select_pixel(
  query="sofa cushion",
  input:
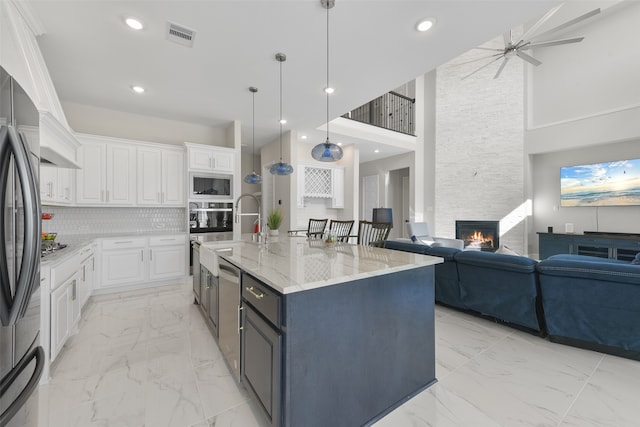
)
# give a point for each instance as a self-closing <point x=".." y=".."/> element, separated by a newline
<point x="518" y="264"/>
<point x="443" y="252"/>
<point x="586" y="267"/>
<point x="406" y="246"/>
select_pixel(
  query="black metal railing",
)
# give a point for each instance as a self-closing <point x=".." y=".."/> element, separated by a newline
<point x="390" y="111"/>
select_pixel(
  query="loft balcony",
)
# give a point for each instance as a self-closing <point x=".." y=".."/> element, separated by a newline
<point x="391" y="111"/>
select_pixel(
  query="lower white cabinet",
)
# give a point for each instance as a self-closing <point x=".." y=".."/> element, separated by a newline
<point x="87" y="273"/>
<point x="167" y="256"/>
<point x="132" y="261"/>
<point x="123" y="261"/>
<point x="65" y="312"/>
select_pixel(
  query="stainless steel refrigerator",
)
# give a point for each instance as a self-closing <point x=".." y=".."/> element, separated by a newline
<point x="21" y="356"/>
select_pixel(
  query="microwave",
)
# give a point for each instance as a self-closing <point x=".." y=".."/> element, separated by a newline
<point x="210" y="186"/>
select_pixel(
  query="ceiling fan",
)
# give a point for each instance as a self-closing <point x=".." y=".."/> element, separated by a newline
<point x="526" y="42"/>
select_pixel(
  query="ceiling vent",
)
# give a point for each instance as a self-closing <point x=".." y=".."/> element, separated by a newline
<point x="179" y="34"/>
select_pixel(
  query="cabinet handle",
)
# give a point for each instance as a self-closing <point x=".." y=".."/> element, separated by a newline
<point x="73" y="290"/>
<point x="141" y="254"/>
<point x="123" y="241"/>
<point x="240" y="308"/>
<point x="84" y="273"/>
<point x="251" y="290"/>
<point x="150" y="254"/>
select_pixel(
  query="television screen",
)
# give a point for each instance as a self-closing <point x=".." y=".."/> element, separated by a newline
<point x="601" y="184"/>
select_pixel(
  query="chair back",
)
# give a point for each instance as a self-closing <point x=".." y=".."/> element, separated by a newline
<point x="373" y="233"/>
<point x="316" y="228"/>
<point x="341" y="229"/>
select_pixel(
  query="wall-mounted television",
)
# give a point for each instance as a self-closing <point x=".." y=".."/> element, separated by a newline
<point x="601" y="184"/>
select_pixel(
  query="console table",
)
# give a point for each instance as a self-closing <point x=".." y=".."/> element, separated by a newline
<point x="622" y="246"/>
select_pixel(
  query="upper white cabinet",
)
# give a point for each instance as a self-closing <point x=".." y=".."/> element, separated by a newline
<point x="161" y="177"/>
<point x="213" y="159"/>
<point x="319" y="181"/>
<point x="56" y="185"/>
<point x="108" y="174"/>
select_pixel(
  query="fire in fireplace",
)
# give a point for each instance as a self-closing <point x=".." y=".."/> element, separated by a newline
<point x="481" y="235"/>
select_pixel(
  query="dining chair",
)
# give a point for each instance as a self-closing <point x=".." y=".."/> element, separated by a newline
<point x="341" y="229"/>
<point x="373" y="233"/>
<point x="316" y="228"/>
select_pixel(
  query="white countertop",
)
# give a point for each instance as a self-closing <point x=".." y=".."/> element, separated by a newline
<point x="294" y="264"/>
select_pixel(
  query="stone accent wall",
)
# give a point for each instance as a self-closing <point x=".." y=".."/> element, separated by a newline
<point x="479" y="151"/>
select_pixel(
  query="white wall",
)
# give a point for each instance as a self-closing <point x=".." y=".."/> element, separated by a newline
<point x="119" y="124"/>
<point x="584" y="107"/>
<point x="547" y="211"/>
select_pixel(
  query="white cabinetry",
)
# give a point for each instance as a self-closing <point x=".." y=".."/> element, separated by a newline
<point x="108" y="174"/>
<point x="131" y="261"/>
<point x="337" y="183"/>
<point x="65" y="312"/>
<point x="87" y="273"/>
<point x="213" y="159"/>
<point x="161" y="177"/>
<point x="323" y="182"/>
<point x="56" y="185"/>
<point x="123" y="261"/>
<point x="167" y="256"/>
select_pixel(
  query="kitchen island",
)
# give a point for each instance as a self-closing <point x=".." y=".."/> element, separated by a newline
<point x="333" y="336"/>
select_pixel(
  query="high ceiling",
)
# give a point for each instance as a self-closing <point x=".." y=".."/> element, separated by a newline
<point x="94" y="58"/>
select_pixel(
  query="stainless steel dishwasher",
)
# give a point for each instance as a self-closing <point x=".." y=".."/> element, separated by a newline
<point x="229" y="314"/>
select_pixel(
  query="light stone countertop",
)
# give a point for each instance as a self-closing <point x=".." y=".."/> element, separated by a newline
<point x="294" y="264"/>
<point x="75" y="242"/>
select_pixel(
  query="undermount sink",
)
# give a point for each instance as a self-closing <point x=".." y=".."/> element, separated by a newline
<point x="209" y="253"/>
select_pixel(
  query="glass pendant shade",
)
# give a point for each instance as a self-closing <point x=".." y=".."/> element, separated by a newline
<point x="281" y="168"/>
<point x="253" y="178"/>
<point x="327" y="152"/>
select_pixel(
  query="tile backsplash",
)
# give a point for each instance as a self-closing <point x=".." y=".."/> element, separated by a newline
<point x="81" y="220"/>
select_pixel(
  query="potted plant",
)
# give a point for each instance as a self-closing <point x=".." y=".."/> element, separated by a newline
<point x="273" y="221"/>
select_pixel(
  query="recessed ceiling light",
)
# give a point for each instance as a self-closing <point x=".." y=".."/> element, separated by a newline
<point x="376" y="151"/>
<point x="425" y="24"/>
<point x="137" y="89"/>
<point x="134" y="23"/>
<point x="303" y="137"/>
<point x="283" y="121"/>
<point x="329" y="90"/>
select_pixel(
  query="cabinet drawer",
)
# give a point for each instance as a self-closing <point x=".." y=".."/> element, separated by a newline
<point x="265" y="300"/>
<point x="179" y="239"/>
<point x="124" y="243"/>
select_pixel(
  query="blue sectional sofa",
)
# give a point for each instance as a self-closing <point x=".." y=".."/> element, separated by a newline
<point x="577" y="300"/>
<point x="501" y="286"/>
<point x="592" y="303"/>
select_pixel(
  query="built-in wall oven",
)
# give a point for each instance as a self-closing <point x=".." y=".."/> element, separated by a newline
<point x="209" y="221"/>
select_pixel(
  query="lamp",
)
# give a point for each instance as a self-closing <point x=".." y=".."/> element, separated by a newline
<point x="383" y="215"/>
<point x="327" y="151"/>
<point x="281" y="168"/>
<point x="253" y="177"/>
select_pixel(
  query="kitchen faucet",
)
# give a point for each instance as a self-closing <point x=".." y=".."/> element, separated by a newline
<point x="239" y="214"/>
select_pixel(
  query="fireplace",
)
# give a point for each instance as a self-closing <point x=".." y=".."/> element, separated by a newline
<point x="480" y="235"/>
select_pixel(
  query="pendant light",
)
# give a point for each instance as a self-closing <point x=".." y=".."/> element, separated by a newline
<point x="253" y="177"/>
<point x="327" y="151"/>
<point x="281" y="168"/>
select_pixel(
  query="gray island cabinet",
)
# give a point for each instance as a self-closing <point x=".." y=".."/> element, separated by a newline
<point x="334" y="336"/>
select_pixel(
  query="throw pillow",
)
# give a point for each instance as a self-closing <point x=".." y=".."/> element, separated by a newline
<point x="636" y="260"/>
<point x="506" y="250"/>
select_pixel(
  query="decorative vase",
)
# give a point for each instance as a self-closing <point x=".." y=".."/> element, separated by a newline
<point x="274" y="232"/>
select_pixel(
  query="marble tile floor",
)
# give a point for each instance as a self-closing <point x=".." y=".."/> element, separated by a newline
<point x="146" y="358"/>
